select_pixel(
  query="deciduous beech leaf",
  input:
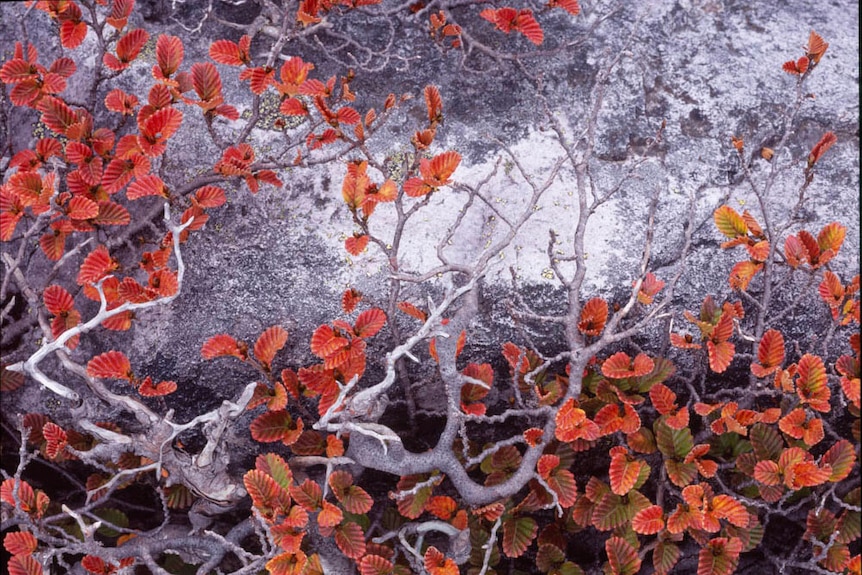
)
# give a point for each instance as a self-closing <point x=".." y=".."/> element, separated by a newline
<point x="729" y="222"/>
<point x="622" y="557"/>
<point x="624" y="470"/>
<point x="268" y="344"/>
<point x="518" y="534"/>
<point x="223" y="345"/>
<point x="56" y="438"/>
<point x="128" y="48"/>
<point x="840" y="457"/>
<point x="438" y="564"/>
<point x="375" y="565"/>
<point x="169" y="56"/>
<point x="742" y="274"/>
<point x="287" y="564"/>
<point x="111" y="364"/>
<point x="308" y="495"/>
<point x="593" y="317"/>
<point x="648" y="521"/>
<point x="369" y="323"/>
<point x="330" y="515"/>
<point x="356" y="244"/>
<point x="650" y="287"/>
<point x="442" y="507"/>
<point x="796" y="425"/>
<point x="620" y="365"/>
<point x="821" y="147"/>
<point x="811" y="385"/>
<point x="57" y="300"/>
<point x="434" y="105"/>
<point x="573" y="424"/>
<point x="664" y="556"/>
<point x="719" y="556"/>
<point x="231" y="53"/>
<point x="349" y="299"/>
<point x="720" y="355"/>
<point x="570" y="6"/>
<point x="412" y="310"/>
<point x="210" y="197"/>
<point x="508" y="19"/>
<point x="147" y="389"/>
<point x="770" y="354"/>
<point x="276" y="426"/>
<point x="20" y="542"/>
<point x="350" y="539"/>
<point x="24" y="565"/>
<point x="437" y="171"/>
<point x="262" y="489"/>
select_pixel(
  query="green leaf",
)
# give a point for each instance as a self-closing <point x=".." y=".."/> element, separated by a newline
<point x="114" y="516"/>
<point x="518" y="533"/>
<point x="766" y="442"/>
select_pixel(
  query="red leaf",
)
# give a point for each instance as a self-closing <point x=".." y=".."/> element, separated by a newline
<point x="350" y="299"/>
<point x="72" y="33"/>
<point x="56" y="438"/>
<point x="434" y="105"/>
<point x="436" y="172"/>
<point x="269" y="343"/>
<point x="811" y="385"/>
<point x="770" y="353"/>
<point x="111" y="364"/>
<point x="840" y="458"/>
<point x="229" y="53"/>
<point x="620" y="366"/>
<point x="350" y="539"/>
<point x="80" y="208"/>
<point x="129" y="46"/>
<point x="24" y="565"/>
<point x="169" y="56"/>
<point x="436" y="563"/>
<point x="325" y="342"/>
<point x="820" y="148"/>
<point x="210" y="197"/>
<point x="206" y="81"/>
<point x="223" y="345"/>
<point x="648" y="521"/>
<point x="276" y="426"/>
<point x="149" y="185"/>
<point x="20" y="542"/>
<point x="355" y="245"/>
<point x="147" y="389"/>
<point x="369" y="323"/>
<point x="623" y="558"/>
<point x="518" y="534"/>
<point x="593" y="317"/>
<point x="57" y="300"/>
<point x="720" y="355"/>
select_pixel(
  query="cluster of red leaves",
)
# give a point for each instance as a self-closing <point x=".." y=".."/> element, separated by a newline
<point x="115" y="365"/>
<point x="440" y="30"/>
<point x="813" y="53"/>
<point x="287" y="506"/>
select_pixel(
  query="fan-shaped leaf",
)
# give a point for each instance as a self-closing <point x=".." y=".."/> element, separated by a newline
<point x="623" y="558"/>
<point x="169" y="55"/>
<point x="269" y="343"/>
<point x="649" y="521"/>
<point x="729" y="222"/>
<point x="222" y="345"/>
<point x="24" y="564"/>
<point x="147" y="389"/>
<point x="518" y="534"/>
<point x="111" y="364"/>
<point x="593" y="317"/>
<point x="369" y="323"/>
<point x="350" y="539"/>
<point x="811" y="385"/>
<point x="840" y="457"/>
<point x="276" y="426"/>
<point x="20" y="542"/>
<point x="620" y="366"/>
<point x="719" y="557"/>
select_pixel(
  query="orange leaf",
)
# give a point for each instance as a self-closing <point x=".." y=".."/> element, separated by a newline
<point x="434" y="104"/>
<point x="356" y="244"/>
<point x="111" y="364"/>
<point x="438" y="564"/>
<point x="223" y="345"/>
<point x="147" y="389"/>
<point x="811" y="385"/>
<point x="593" y="317"/>
<point x="648" y="521"/>
<point x="269" y="343"/>
<point x="20" y="542"/>
<point x="369" y="323"/>
<point x="96" y="265"/>
<point x="720" y="355"/>
<point x="620" y="366"/>
<point x="436" y="172"/>
<point x="770" y="353"/>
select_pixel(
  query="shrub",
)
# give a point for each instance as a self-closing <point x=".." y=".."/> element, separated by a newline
<point x="620" y="432"/>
